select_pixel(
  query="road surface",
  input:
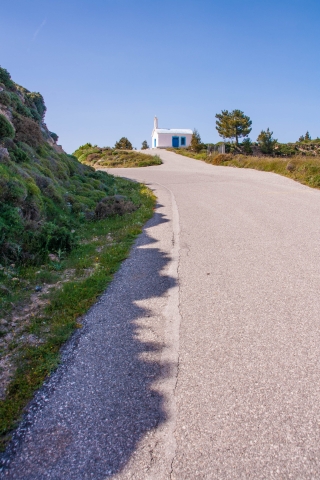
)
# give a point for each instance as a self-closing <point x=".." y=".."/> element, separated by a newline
<point x="201" y="360"/>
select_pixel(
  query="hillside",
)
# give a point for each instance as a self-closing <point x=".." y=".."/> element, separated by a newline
<point x="64" y="230"/>
<point x="114" y="158"/>
<point x="45" y="194"/>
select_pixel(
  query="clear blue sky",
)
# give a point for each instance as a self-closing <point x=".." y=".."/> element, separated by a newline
<point x="106" y="67"/>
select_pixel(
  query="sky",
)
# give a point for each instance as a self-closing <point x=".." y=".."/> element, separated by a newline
<point x="107" y="67"/>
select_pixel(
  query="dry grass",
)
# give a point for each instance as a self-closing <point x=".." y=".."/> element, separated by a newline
<point x="106" y="157"/>
<point x="305" y="170"/>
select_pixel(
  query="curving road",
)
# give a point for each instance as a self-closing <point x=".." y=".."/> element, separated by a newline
<point x="201" y="360"/>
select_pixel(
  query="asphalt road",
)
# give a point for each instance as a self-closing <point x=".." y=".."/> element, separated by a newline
<point x="201" y="360"/>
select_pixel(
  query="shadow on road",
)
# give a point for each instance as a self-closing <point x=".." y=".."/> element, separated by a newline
<point x="87" y="420"/>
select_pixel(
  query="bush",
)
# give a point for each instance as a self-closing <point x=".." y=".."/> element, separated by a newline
<point x="6" y="129"/>
<point x="54" y="136"/>
<point x="123" y="144"/>
<point x="116" y="205"/>
<point x="285" y="150"/>
<point x="36" y="99"/>
<point x="221" y="158"/>
<point x="27" y="130"/>
<point x="18" y="155"/>
<point x="5" y="98"/>
<point x="54" y="238"/>
<point x="5" y="78"/>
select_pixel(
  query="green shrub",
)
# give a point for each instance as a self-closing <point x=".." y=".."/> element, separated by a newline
<point x="54" y="238"/>
<point x="23" y="110"/>
<point x="5" y="98"/>
<point x="5" y="78"/>
<point x="54" y="136"/>
<point x="6" y="129"/>
<point x="284" y="149"/>
<point x="27" y="130"/>
<point x="36" y="99"/>
<point x="18" y="155"/>
<point x="123" y="144"/>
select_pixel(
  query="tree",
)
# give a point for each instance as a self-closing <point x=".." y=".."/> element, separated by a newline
<point x="144" y="145"/>
<point x="301" y="138"/>
<point x="195" y="144"/>
<point x="247" y="146"/>
<point x="123" y="144"/>
<point x="307" y="137"/>
<point x="233" y="124"/>
<point x="266" y="142"/>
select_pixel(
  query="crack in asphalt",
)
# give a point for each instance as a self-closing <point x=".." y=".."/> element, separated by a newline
<point x="171" y="353"/>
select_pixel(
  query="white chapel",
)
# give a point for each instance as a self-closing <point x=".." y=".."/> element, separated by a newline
<point x="170" y="137"/>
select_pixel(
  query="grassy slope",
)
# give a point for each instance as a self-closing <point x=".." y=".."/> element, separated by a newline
<point x="303" y="169"/>
<point x="104" y="245"/>
<point x="111" y="158"/>
<point x="50" y="238"/>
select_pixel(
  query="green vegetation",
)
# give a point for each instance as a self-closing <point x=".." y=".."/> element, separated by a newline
<point x="145" y="145"/>
<point x="195" y="144"/>
<point x="112" y="158"/>
<point x="6" y="129"/>
<point x="266" y="142"/>
<point x="64" y="229"/>
<point x="123" y="144"/>
<point x="233" y="124"/>
<point x="306" y="137"/>
<point x="77" y="280"/>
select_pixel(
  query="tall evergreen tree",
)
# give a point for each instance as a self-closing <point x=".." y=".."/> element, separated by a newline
<point x="144" y="145"/>
<point x="195" y="144"/>
<point x="233" y="124"/>
<point x="307" y="136"/>
<point x="266" y="142"/>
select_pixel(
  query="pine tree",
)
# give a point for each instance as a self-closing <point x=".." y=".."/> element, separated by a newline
<point x="233" y="124"/>
<point x="307" y="137"/>
<point x="266" y="142"/>
<point x="123" y="144"/>
<point x="301" y="138"/>
<point x="195" y="144"/>
<point x="144" y="145"/>
<point x="247" y="146"/>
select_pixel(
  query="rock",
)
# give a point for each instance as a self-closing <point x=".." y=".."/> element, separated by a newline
<point x="53" y="257"/>
<point x="3" y="153"/>
<point x="290" y="167"/>
<point x="38" y="288"/>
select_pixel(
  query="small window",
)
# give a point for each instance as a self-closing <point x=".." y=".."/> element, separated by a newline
<point x="183" y="141"/>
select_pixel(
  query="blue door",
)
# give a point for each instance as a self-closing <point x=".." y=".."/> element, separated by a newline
<point x="155" y="142"/>
<point x="175" y="142"/>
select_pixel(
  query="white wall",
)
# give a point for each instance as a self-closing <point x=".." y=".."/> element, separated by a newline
<point x="164" y="140"/>
<point x="154" y="137"/>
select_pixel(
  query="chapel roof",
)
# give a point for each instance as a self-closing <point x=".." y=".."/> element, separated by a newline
<point x="173" y="130"/>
